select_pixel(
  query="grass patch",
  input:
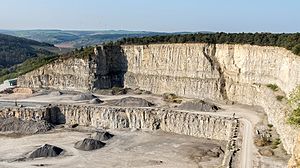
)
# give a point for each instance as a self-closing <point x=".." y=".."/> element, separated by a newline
<point x="273" y="87"/>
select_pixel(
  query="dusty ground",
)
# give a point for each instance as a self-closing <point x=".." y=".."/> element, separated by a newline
<point x="125" y="149"/>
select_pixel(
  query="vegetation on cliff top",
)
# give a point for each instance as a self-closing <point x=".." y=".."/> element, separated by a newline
<point x="289" y="41"/>
<point x="19" y="55"/>
<point x="25" y="67"/>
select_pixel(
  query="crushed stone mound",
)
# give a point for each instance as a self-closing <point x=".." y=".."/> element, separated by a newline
<point x="133" y="102"/>
<point x="46" y="151"/>
<point x="24" y="127"/>
<point x="199" y="105"/>
<point x="95" y="101"/>
<point x="86" y="96"/>
<point x="89" y="144"/>
<point x="56" y="93"/>
<point x="101" y="135"/>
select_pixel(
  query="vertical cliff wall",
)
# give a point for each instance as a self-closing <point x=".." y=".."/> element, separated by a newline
<point x="192" y="124"/>
<point x="184" y="69"/>
<point x="65" y="74"/>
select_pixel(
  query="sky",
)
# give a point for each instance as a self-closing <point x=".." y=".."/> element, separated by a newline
<point x="153" y="15"/>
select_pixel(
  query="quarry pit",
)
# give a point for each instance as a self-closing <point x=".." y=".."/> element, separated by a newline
<point x="234" y="78"/>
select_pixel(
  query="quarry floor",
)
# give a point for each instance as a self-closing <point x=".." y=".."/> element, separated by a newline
<point x="247" y="157"/>
<point x="126" y="149"/>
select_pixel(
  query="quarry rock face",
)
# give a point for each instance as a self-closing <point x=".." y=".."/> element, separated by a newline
<point x="64" y="74"/>
<point x="192" y="124"/>
<point x="215" y="71"/>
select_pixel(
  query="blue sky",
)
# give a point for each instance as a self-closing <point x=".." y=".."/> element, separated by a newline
<point x="153" y="15"/>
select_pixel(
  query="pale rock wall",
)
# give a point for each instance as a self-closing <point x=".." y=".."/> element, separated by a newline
<point x="65" y="74"/>
<point x="192" y="124"/>
<point x="34" y="114"/>
<point x="183" y="69"/>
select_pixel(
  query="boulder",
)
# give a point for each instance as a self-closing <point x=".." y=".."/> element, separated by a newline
<point x="95" y="101"/>
<point x="171" y="98"/>
<point x="46" y="151"/>
<point x="133" y="102"/>
<point x="89" y="144"/>
<point x="23" y="91"/>
<point x="85" y="96"/>
<point x="101" y="136"/>
<point x="56" y="93"/>
<point x="266" y="152"/>
<point x="215" y="152"/>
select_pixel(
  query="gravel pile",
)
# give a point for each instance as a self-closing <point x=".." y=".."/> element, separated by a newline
<point x="199" y="105"/>
<point x="46" y="151"/>
<point x="133" y="102"/>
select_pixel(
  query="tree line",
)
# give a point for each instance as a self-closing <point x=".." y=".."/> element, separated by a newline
<point x="290" y="41"/>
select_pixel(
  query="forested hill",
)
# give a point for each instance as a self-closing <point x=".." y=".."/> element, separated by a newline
<point x="290" y="41"/>
<point x="15" y="50"/>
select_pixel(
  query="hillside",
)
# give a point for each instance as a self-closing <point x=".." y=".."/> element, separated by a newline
<point x="14" y="51"/>
<point x="76" y="39"/>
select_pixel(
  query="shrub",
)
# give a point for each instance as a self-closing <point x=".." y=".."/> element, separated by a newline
<point x="294" y="117"/>
<point x="279" y="98"/>
<point x="276" y="141"/>
<point x="274" y="87"/>
<point x="171" y="97"/>
<point x="294" y="97"/>
<point x="296" y="49"/>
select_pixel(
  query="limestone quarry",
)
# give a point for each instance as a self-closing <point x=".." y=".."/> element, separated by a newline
<point x="233" y="108"/>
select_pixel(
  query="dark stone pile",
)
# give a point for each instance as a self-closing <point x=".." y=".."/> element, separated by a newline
<point x="199" y="105"/>
<point x="46" y="151"/>
<point x="133" y="102"/>
<point x="101" y="136"/>
<point x="16" y="125"/>
<point x="89" y="144"/>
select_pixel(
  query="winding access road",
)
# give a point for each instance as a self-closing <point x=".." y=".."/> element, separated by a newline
<point x="247" y="150"/>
